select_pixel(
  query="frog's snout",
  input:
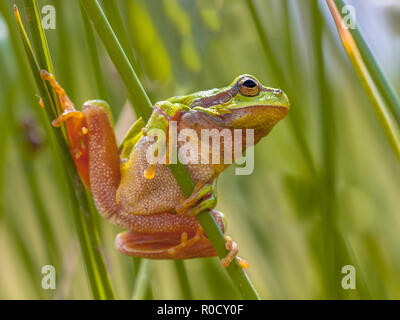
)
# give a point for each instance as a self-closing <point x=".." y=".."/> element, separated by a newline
<point x="282" y="99"/>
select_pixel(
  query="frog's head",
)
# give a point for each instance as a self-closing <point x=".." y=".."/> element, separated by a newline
<point x="245" y="104"/>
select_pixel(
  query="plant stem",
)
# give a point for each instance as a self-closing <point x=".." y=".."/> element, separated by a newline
<point x="371" y="76"/>
<point x="137" y="95"/>
<point x="111" y="10"/>
<point x="278" y="74"/>
<point x="372" y="65"/>
<point x="94" y="58"/>
<point x="142" y="280"/>
<point x="183" y="280"/>
<point x="235" y="271"/>
<point x="99" y="281"/>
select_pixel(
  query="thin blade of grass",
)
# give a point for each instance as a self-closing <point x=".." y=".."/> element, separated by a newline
<point x="183" y="280"/>
<point x="48" y="102"/>
<point x="371" y="76"/>
<point x="88" y="211"/>
<point x="39" y="41"/>
<point x="111" y="10"/>
<point x="280" y="79"/>
<point x="94" y="58"/>
<point x="137" y="95"/>
<point x="101" y="288"/>
<point x="329" y="252"/>
<point x="371" y="64"/>
<point x="142" y="281"/>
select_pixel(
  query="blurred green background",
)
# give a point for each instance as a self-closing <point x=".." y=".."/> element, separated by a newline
<point x="326" y="185"/>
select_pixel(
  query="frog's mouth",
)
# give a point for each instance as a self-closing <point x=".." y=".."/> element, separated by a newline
<point x="261" y="118"/>
<point x="256" y="116"/>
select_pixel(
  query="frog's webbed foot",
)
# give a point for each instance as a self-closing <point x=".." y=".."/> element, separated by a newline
<point x="203" y="198"/>
<point x="67" y="107"/>
<point x="76" y="125"/>
<point x="187" y="243"/>
<point x="174" y="237"/>
<point x="232" y="247"/>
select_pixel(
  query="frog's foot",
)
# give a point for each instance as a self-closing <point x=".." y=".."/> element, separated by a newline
<point x="67" y="107"/>
<point x="165" y="246"/>
<point x="187" y="243"/>
<point x="76" y="125"/>
<point x="203" y="198"/>
<point x="182" y="238"/>
<point x="232" y="247"/>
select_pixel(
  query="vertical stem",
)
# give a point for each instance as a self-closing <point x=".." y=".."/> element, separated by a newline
<point x="383" y="84"/>
<point x="98" y="276"/>
<point x="183" y="280"/>
<point x="136" y="92"/>
<point x="142" y="280"/>
<point x="280" y="79"/>
<point x="94" y="58"/>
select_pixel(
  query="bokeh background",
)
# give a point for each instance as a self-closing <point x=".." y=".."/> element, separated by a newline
<point x="325" y="191"/>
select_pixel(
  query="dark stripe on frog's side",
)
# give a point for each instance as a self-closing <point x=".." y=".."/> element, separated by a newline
<point x="226" y="96"/>
<point x="219" y="98"/>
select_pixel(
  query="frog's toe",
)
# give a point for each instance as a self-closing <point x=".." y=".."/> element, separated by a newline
<point x="232" y="247"/>
<point x="203" y="198"/>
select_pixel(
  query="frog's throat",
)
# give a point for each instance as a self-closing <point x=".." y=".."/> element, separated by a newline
<point x="257" y="117"/>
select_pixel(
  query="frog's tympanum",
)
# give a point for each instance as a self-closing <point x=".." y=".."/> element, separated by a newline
<point x="145" y="198"/>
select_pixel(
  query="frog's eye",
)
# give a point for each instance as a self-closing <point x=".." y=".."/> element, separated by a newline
<point x="248" y="87"/>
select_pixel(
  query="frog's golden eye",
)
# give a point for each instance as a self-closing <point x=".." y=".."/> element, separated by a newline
<point x="248" y="87"/>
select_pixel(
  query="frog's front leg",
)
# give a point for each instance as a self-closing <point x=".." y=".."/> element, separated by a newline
<point x="204" y="197"/>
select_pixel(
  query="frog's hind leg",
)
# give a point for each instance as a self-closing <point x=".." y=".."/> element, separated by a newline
<point x="166" y="236"/>
<point x="104" y="161"/>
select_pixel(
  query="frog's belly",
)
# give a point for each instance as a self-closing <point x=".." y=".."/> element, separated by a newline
<point x="141" y="196"/>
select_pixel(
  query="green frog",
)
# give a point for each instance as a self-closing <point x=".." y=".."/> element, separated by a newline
<point x="144" y="197"/>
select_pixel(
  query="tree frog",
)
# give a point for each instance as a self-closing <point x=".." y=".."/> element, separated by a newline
<point x="144" y="197"/>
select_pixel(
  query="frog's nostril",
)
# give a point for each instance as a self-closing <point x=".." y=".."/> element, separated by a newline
<point x="278" y="91"/>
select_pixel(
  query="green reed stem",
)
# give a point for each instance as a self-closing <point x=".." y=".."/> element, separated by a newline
<point x="99" y="280"/>
<point x="183" y="280"/>
<point x="94" y="57"/>
<point x="378" y="88"/>
<point x="381" y="81"/>
<point x="137" y="95"/>
<point x="142" y="281"/>
<point x="273" y="62"/>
